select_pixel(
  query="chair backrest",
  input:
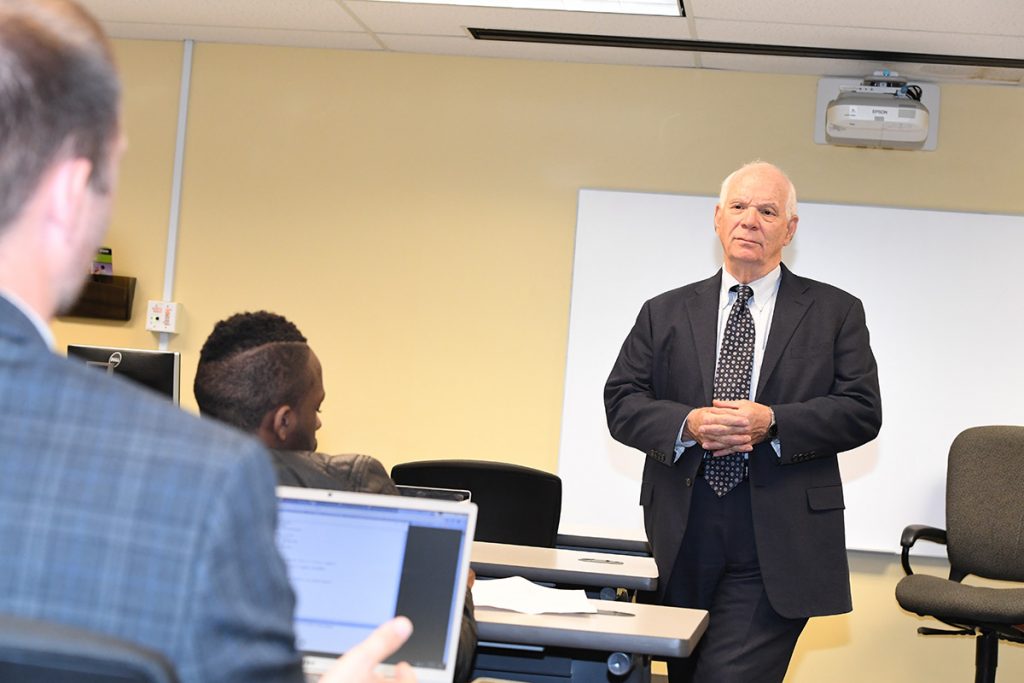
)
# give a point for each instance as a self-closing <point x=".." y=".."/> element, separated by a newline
<point x="516" y="504"/>
<point x="35" y="651"/>
<point x="985" y="502"/>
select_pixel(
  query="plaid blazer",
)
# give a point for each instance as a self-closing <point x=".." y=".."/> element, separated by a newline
<point x="122" y="514"/>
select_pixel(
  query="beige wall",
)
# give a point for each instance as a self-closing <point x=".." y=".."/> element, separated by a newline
<point x="151" y="73"/>
<point x="414" y="215"/>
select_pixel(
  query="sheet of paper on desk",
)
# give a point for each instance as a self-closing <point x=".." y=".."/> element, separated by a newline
<point x="519" y="595"/>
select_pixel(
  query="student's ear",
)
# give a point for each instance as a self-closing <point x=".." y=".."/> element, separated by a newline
<point x="284" y="423"/>
<point x="277" y="426"/>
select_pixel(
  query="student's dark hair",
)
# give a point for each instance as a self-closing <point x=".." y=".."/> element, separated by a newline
<point x="250" y="364"/>
<point x="59" y="96"/>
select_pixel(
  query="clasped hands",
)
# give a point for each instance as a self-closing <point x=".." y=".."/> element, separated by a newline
<point x="729" y="426"/>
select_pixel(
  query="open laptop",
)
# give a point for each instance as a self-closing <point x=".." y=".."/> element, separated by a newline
<point x="357" y="559"/>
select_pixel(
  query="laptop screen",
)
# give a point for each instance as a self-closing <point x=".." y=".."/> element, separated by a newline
<point x="356" y="560"/>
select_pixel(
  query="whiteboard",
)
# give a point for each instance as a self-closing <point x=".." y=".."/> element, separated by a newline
<point x="942" y="294"/>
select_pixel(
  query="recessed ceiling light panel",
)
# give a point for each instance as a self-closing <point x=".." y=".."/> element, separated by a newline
<point x="668" y="8"/>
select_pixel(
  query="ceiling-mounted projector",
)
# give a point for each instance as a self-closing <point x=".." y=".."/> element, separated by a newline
<point x="882" y="111"/>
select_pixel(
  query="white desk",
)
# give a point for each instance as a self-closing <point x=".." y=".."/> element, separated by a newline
<point x="576" y="647"/>
<point x="649" y="630"/>
<point x="566" y="567"/>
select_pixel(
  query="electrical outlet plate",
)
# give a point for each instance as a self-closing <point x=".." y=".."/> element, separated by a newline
<point x="162" y="316"/>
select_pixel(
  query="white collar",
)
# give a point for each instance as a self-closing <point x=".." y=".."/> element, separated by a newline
<point x="764" y="287"/>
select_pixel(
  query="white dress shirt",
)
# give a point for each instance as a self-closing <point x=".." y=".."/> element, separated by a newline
<point x="762" y="308"/>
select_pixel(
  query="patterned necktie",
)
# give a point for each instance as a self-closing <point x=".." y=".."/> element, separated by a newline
<point x="732" y="383"/>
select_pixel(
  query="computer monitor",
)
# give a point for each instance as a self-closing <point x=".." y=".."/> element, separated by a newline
<point x="158" y="370"/>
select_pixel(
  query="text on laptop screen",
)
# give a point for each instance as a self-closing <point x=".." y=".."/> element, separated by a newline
<point x="354" y="567"/>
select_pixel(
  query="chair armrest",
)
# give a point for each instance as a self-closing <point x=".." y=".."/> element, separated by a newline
<point x="914" y="533"/>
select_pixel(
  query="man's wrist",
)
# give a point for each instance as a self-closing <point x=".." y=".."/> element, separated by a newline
<point x="685" y="434"/>
<point x="773" y="428"/>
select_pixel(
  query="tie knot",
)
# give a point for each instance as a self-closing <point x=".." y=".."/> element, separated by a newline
<point x="743" y="292"/>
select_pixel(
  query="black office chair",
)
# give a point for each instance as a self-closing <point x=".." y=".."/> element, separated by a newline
<point x="35" y="651"/>
<point x="516" y="504"/>
<point x="984" y="536"/>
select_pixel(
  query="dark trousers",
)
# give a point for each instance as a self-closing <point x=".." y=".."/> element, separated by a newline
<point x="717" y="570"/>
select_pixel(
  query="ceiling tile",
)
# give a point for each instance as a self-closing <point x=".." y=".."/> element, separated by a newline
<point x="556" y="53"/>
<point x="960" y="74"/>
<point x="317" y="15"/>
<point x="927" y="73"/>
<point x="861" y="38"/>
<point x="436" y="20"/>
<point x="786" y="65"/>
<point x="321" y="39"/>
<point x="990" y="17"/>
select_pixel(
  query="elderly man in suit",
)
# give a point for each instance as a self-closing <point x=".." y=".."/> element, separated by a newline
<point x="118" y="513"/>
<point x="741" y="390"/>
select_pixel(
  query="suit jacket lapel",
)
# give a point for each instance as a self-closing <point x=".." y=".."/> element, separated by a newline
<point x="791" y="305"/>
<point x="703" y="314"/>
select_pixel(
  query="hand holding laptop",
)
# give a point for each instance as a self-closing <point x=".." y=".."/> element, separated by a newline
<point x="358" y="665"/>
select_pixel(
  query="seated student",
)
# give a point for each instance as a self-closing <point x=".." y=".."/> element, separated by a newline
<point x="257" y="373"/>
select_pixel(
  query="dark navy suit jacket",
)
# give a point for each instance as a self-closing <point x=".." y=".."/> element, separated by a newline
<point x="122" y="514"/>
<point x="818" y="375"/>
